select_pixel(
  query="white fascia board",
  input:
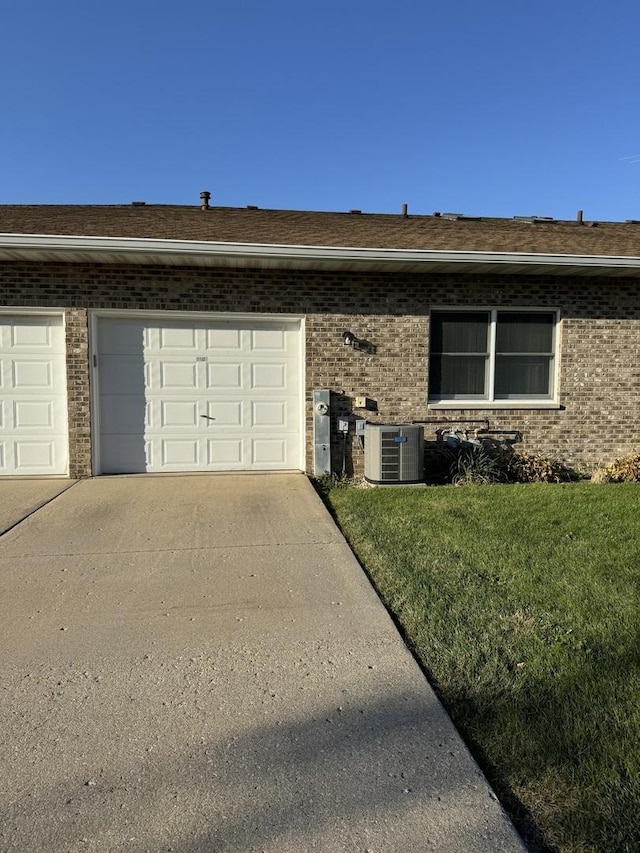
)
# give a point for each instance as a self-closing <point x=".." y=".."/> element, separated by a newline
<point x="46" y="243"/>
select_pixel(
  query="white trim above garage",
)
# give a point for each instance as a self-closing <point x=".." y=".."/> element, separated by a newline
<point x="178" y="392"/>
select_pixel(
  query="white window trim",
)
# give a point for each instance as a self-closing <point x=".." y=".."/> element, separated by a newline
<point x="457" y="403"/>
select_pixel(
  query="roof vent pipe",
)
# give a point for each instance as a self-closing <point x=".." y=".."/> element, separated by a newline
<point x="204" y="200"/>
<point x="579" y="217"/>
<point x="405" y="210"/>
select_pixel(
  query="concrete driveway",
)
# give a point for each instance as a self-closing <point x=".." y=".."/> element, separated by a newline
<point x="19" y="498"/>
<point x="199" y="664"/>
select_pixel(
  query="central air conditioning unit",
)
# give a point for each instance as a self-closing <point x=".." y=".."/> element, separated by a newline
<point x="394" y="454"/>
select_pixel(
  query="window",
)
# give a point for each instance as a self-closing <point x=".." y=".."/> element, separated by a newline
<point x="492" y="355"/>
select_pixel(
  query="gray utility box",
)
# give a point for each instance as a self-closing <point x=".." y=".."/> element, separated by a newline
<point x="394" y="454"/>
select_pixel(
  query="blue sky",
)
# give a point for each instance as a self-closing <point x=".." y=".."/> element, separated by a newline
<point x="494" y="108"/>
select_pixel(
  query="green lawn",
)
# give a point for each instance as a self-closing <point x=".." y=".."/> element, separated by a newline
<point x="523" y="605"/>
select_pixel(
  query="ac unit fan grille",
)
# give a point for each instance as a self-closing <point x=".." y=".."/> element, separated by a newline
<point x="394" y="453"/>
<point x="390" y="456"/>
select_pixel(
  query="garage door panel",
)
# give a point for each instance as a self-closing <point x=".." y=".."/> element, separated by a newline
<point x="33" y="395"/>
<point x="224" y="376"/>
<point x="180" y="453"/>
<point x="223" y="339"/>
<point x="171" y="376"/>
<point x="268" y="452"/>
<point x="32" y="374"/>
<point x="123" y="338"/>
<point x="35" y="334"/>
<point x="27" y="415"/>
<point x="34" y="457"/>
<point x="125" y="413"/>
<point x="181" y="339"/>
<point x="225" y="454"/>
<point x="175" y="375"/>
<point x="36" y="414"/>
<point x="269" y="340"/>
<point x="268" y="413"/>
<point x="29" y="457"/>
<point x="272" y="414"/>
<point x="122" y="374"/>
<point x="224" y="413"/>
<point x="271" y="377"/>
<point x="177" y="414"/>
<point x="218" y="395"/>
<point x="124" y="453"/>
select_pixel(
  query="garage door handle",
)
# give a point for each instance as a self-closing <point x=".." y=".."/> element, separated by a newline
<point x="208" y="417"/>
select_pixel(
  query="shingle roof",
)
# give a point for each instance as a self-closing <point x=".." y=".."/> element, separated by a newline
<point x="306" y="228"/>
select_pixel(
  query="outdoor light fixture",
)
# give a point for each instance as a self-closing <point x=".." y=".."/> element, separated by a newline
<point x="350" y="340"/>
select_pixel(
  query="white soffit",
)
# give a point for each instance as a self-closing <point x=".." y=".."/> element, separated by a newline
<point x="126" y="250"/>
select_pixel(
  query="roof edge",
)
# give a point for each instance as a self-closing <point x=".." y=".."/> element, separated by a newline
<point x="44" y="246"/>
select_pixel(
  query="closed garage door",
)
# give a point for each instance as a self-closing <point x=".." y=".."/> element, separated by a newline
<point x="204" y="395"/>
<point x="33" y="395"/>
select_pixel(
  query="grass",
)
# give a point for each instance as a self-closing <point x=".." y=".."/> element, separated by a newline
<point x="523" y="605"/>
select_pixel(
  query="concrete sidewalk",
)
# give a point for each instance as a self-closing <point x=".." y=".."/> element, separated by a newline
<point x="199" y="664"/>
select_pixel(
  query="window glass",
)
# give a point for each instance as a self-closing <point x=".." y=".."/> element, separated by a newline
<point x="518" y="332"/>
<point x="460" y="331"/>
<point x="462" y="376"/>
<point x="522" y="376"/>
<point x="459" y="353"/>
<point x="492" y="355"/>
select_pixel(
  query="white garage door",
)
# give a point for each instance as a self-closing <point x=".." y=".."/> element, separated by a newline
<point x="33" y="395"/>
<point x="210" y="395"/>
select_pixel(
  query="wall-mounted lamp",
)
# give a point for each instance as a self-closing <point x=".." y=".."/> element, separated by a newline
<point x="350" y="340"/>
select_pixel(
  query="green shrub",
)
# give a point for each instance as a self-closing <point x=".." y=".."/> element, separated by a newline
<point x="438" y="460"/>
<point x="478" y="463"/>
<point x="492" y="462"/>
<point x="326" y="483"/>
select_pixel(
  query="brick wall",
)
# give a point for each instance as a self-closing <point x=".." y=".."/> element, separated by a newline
<point x="600" y="347"/>
<point x="78" y="392"/>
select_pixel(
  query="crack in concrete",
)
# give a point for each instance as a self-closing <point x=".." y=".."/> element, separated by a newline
<point x="37" y="509"/>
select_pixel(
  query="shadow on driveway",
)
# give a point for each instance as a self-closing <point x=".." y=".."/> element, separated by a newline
<point x="199" y="664"/>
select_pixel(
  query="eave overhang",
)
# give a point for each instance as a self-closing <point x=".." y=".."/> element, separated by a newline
<point x="46" y="248"/>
